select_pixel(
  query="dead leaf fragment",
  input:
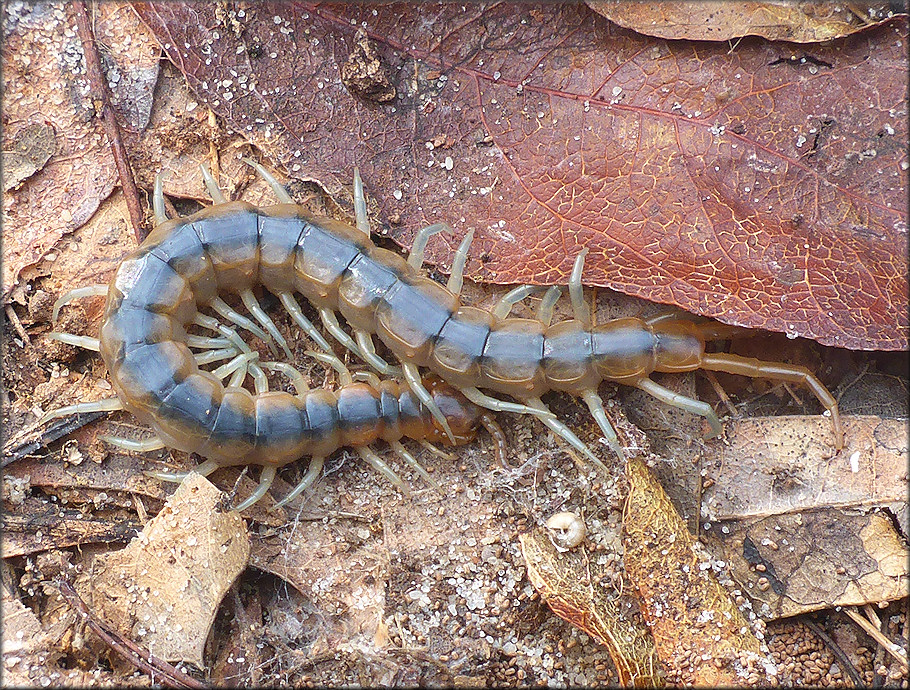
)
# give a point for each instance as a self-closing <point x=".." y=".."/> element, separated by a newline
<point x="31" y="148"/>
<point x="363" y="72"/>
<point x="691" y="616"/>
<point x="164" y="588"/>
<point x="571" y="582"/>
<point x="721" y="20"/>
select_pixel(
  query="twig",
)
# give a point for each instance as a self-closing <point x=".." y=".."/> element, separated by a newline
<point x="19" y="446"/>
<point x="876" y="635"/>
<point x="17" y="324"/>
<point x="158" y="669"/>
<point x="99" y="94"/>
<point x="844" y="660"/>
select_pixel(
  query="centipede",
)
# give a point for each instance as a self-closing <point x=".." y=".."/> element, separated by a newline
<point x="456" y="364"/>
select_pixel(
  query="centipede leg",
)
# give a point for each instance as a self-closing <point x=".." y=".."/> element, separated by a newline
<point x="403" y="453"/>
<point x="344" y="374"/>
<point x="499" y="438"/>
<point x="260" y="380"/>
<point x="566" y="433"/>
<point x="368" y="350"/>
<point x="511" y="298"/>
<point x="360" y="204"/>
<point x="239" y="361"/>
<point x="438" y="452"/>
<point x="225" y="310"/>
<point x="547" y="304"/>
<point x="377" y="464"/>
<point x="312" y="474"/>
<point x="211" y="185"/>
<point x="83" y="341"/>
<point x="204" y="469"/>
<point x="297" y="379"/>
<point x="686" y="403"/>
<point x="202" y="343"/>
<point x="478" y="398"/>
<point x="576" y="291"/>
<point x="792" y="373"/>
<point x="412" y="376"/>
<point x="265" y="482"/>
<point x="456" y="277"/>
<point x="133" y="445"/>
<point x="211" y="356"/>
<point x="213" y="324"/>
<point x="106" y="405"/>
<point x="78" y="293"/>
<point x="596" y="406"/>
<point x="415" y="258"/>
<point x="158" y="201"/>
<point x="251" y="303"/>
<point x="330" y="321"/>
<point x="293" y="308"/>
<point x="276" y="186"/>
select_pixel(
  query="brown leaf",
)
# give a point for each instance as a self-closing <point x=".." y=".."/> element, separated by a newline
<point x="571" y="585"/>
<point x="747" y="186"/>
<point x="718" y="20"/>
<point x="691" y="616"/>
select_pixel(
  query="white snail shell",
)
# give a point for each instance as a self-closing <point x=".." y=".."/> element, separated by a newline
<point x="567" y="530"/>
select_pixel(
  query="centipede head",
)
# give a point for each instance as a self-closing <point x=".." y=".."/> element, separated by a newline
<point x="462" y="415"/>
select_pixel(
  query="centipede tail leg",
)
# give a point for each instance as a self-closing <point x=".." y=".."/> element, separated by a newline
<point x="747" y="366"/>
<point x="252" y="304"/>
<point x="309" y="478"/>
<point x="265" y="482"/>
<point x="415" y="258"/>
<point x="412" y="376"/>
<point x="377" y="464"/>
<point x="566" y="433"/>
<point x="683" y="402"/>
<point x="596" y="406"/>
<point x="456" y="277"/>
<point x="293" y="308"/>
<point x="276" y="186"/>
<point x="405" y="455"/>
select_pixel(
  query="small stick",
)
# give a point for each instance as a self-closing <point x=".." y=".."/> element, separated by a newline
<point x="17" y="324"/>
<point x="129" y="650"/>
<point x="846" y="664"/>
<point x="99" y="96"/>
<point x="875" y="634"/>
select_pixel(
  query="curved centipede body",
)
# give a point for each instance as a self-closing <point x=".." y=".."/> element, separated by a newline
<point x="231" y="248"/>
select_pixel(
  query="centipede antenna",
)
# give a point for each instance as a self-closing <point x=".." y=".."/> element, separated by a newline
<point x="596" y="405"/>
<point x="439" y="452"/>
<point x="576" y="291"/>
<point x="547" y="304"/>
<point x="312" y="474"/>
<point x="252" y="304"/>
<point x="377" y="464"/>
<point x="78" y="293"/>
<point x="82" y="341"/>
<point x="511" y="298"/>
<point x="331" y="324"/>
<point x="133" y="445"/>
<point x="360" y="204"/>
<point x="344" y="374"/>
<point x="204" y="469"/>
<point x="776" y="371"/>
<point x="158" y="201"/>
<point x="202" y="343"/>
<point x="211" y="185"/>
<point x="405" y="455"/>
<point x="566" y="434"/>
<point x="224" y="309"/>
<point x="239" y="361"/>
<point x="415" y="258"/>
<point x="293" y="308"/>
<point x="412" y="376"/>
<point x="211" y="356"/>
<point x="456" y="278"/>
<point x="368" y="350"/>
<point x="276" y="186"/>
<point x="683" y="402"/>
<point x="106" y="405"/>
<point x="297" y="379"/>
<point x="265" y="482"/>
<point x="499" y="438"/>
<point x="369" y="377"/>
<point x="260" y="380"/>
<point x="213" y="324"/>
<point x="478" y="398"/>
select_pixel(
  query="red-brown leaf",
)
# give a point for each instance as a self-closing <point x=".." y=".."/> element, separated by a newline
<point x="761" y="186"/>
